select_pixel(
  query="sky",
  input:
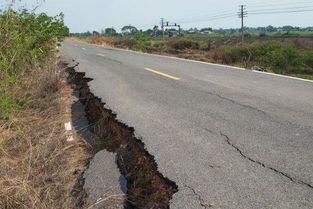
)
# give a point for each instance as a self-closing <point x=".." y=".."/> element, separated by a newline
<point x="90" y="15"/>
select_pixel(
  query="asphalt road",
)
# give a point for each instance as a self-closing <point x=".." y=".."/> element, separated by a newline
<point x="229" y="138"/>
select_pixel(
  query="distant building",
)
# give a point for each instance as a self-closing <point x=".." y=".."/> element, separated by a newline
<point x="193" y="30"/>
<point x="172" y="33"/>
<point x="309" y="28"/>
<point x="207" y="32"/>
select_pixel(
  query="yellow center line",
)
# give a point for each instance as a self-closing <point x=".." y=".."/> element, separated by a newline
<point x="162" y="74"/>
<point x="100" y="55"/>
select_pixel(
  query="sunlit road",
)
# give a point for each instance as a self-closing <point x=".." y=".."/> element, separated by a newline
<point x="229" y="138"/>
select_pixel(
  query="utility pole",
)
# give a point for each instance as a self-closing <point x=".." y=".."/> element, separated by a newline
<point x="162" y="27"/>
<point x="242" y="14"/>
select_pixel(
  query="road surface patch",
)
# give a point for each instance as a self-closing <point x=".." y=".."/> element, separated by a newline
<point x="163" y="74"/>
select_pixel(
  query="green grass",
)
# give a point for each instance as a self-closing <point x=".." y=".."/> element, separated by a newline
<point x="252" y="34"/>
<point x="303" y="76"/>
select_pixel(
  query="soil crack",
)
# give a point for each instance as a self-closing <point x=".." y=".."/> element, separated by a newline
<point x="147" y="188"/>
<point x="297" y="181"/>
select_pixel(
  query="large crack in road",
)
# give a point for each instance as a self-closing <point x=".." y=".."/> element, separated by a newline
<point x="146" y="187"/>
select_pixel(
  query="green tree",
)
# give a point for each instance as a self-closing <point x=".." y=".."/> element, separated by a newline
<point x="129" y="30"/>
<point x="149" y="32"/>
<point x="205" y="29"/>
<point x="110" y="32"/>
<point x="95" y="33"/>
<point x="270" y="29"/>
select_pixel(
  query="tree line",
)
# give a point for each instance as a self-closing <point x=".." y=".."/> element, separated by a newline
<point x="156" y="31"/>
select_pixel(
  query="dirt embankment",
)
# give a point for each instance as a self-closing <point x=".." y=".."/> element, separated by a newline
<point x="38" y="166"/>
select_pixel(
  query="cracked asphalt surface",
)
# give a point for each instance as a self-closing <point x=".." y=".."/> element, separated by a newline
<point x="229" y="138"/>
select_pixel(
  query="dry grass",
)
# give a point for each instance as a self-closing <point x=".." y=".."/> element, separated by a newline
<point x="220" y="56"/>
<point x="99" y="40"/>
<point x="109" y="202"/>
<point x="38" y="167"/>
<point x="74" y="39"/>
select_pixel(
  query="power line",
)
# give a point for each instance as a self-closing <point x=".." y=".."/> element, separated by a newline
<point x="222" y="16"/>
<point x="226" y="14"/>
<point x="205" y="18"/>
<point x="280" y="12"/>
<point x="210" y="18"/>
<point x="286" y="8"/>
<point x="222" y="12"/>
<point x="262" y="4"/>
<point x="254" y="12"/>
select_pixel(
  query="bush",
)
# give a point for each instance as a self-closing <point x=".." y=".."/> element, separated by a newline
<point x="307" y="56"/>
<point x="143" y="42"/>
<point x="276" y="56"/>
<point x="238" y="54"/>
<point x="205" y="46"/>
<point x="247" y="35"/>
<point x="262" y="34"/>
<point x="142" y="39"/>
<point x="288" y="33"/>
<point x="158" y="44"/>
<point x="27" y="41"/>
<point x="128" y="42"/>
<point x="282" y="59"/>
<point x="182" y="44"/>
<point x="33" y="37"/>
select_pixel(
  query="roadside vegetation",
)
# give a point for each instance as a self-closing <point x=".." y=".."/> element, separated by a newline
<point x="254" y="34"/>
<point x="39" y="169"/>
<point x="289" y="57"/>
